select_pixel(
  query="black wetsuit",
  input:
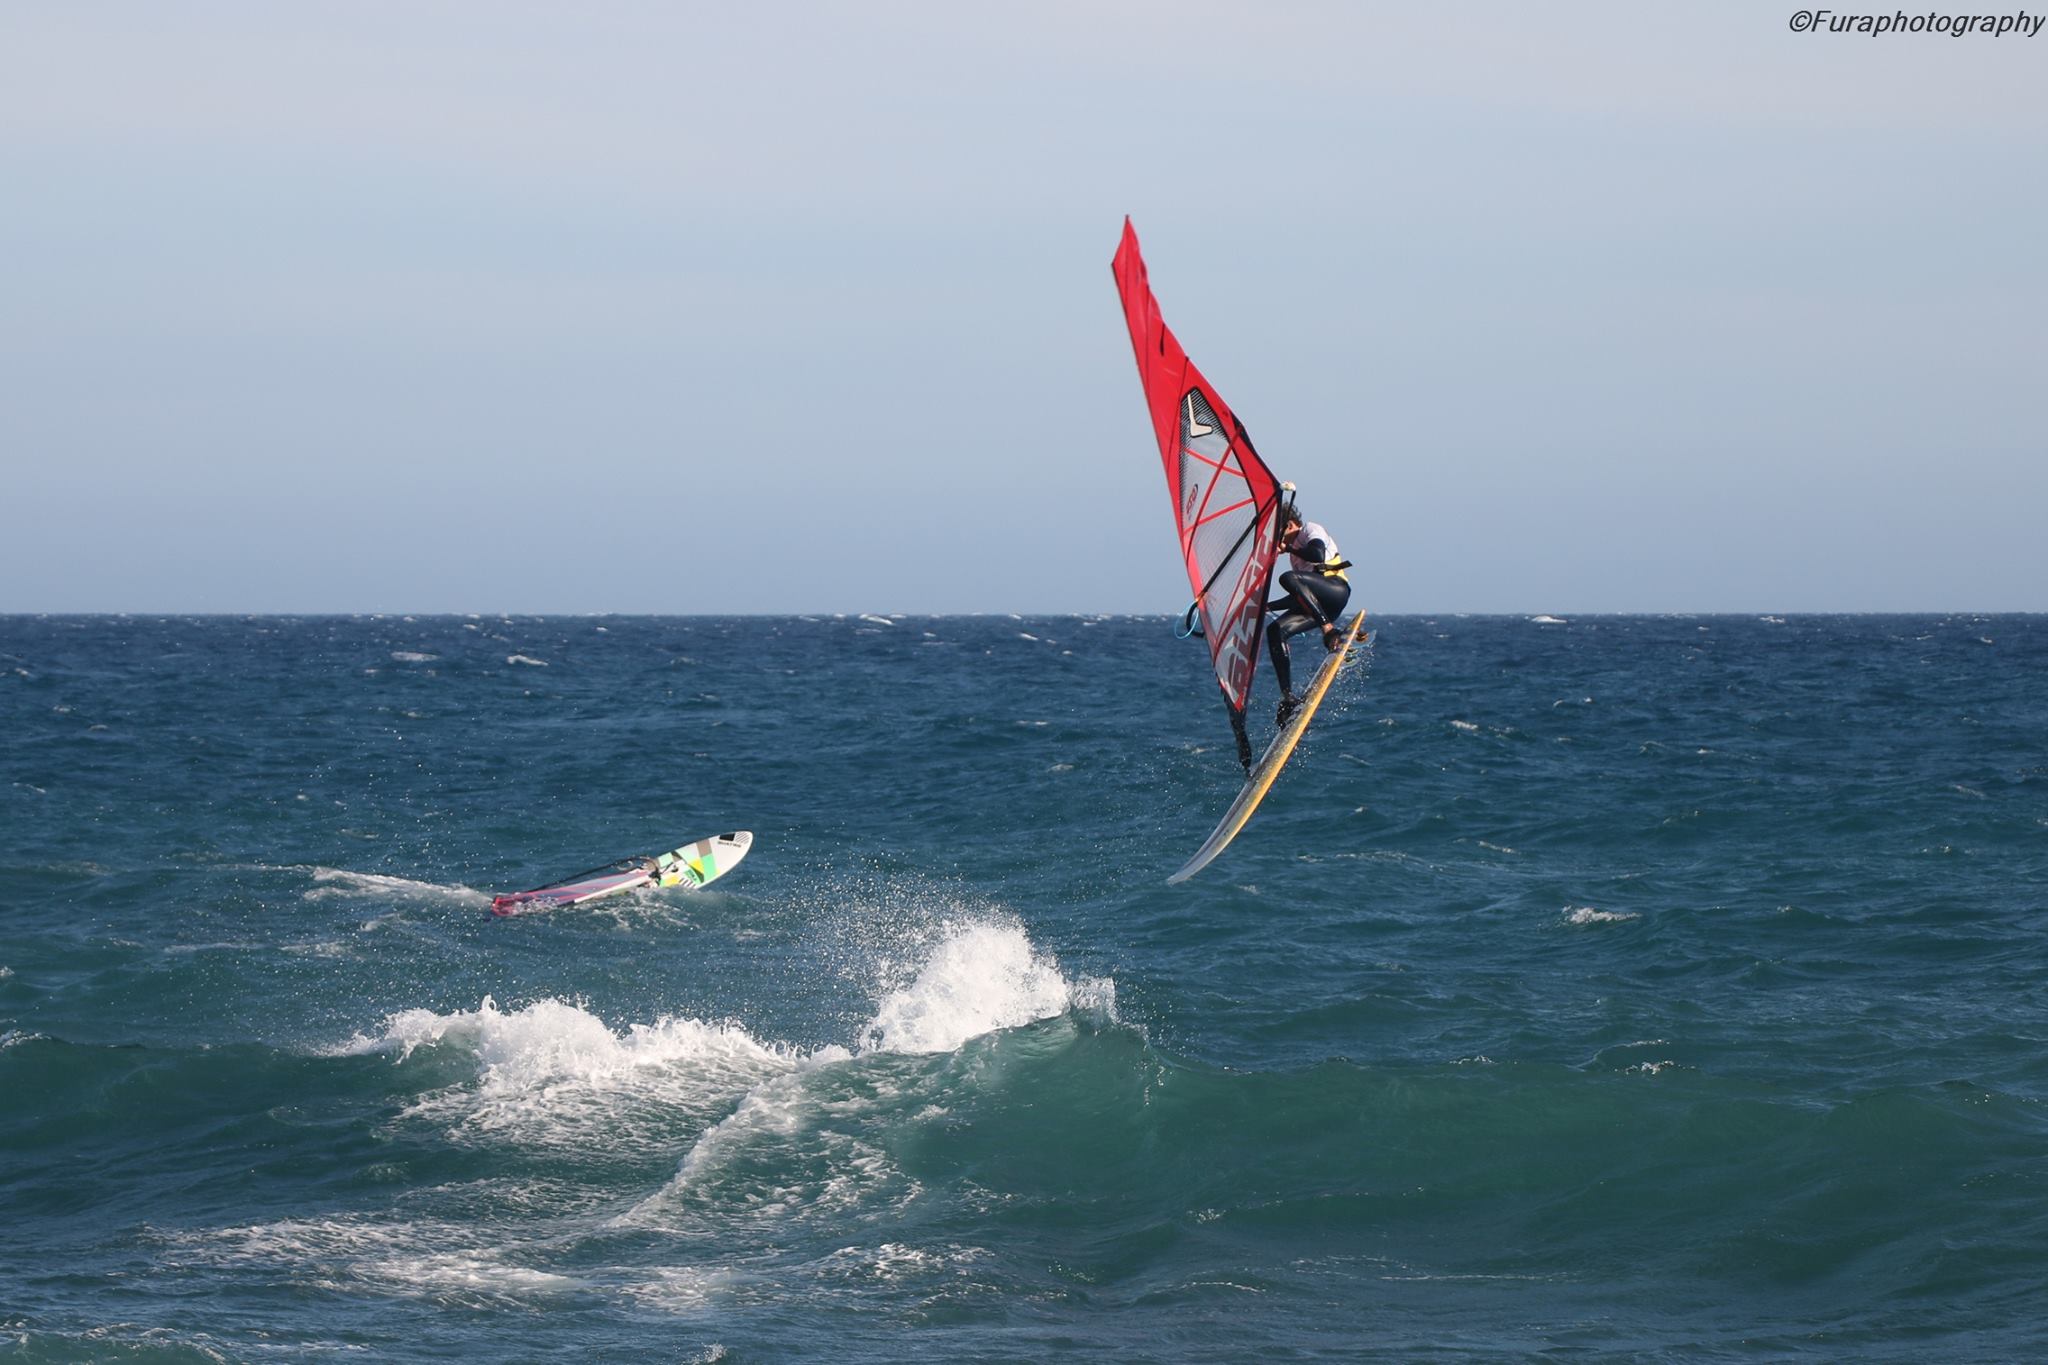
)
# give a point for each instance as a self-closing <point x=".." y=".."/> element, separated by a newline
<point x="1314" y="599"/>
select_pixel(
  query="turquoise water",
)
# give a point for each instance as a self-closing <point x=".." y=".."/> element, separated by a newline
<point x="1619" y="988"/>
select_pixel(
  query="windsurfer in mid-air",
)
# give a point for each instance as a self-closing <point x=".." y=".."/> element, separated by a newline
<point x="1316" y="589"/>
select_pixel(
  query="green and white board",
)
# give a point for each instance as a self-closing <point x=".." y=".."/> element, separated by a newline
<point x="691" y="866"/>
<point x="703" y="862"/>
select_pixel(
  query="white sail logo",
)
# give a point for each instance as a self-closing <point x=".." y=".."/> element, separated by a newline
<point x="1235" y="645"/>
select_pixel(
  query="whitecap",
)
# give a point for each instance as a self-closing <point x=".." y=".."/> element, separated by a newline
<point x="976" y="976"/>
<point x="552" y="1074"/>
<point x="981" y="977"/>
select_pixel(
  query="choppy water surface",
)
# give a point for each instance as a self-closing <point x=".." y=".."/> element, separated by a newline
<point x="1613" y="987"/>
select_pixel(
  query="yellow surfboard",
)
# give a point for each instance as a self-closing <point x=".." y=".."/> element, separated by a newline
<point x="1273" y="760"/>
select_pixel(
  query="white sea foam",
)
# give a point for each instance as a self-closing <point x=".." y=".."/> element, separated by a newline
<point x="319" y="948"/>
<point x="437" y="1261"/>
<point x="894" y="1261"/>
<point x="1549" y="621"/>
<point x="337" y="881"/>
<point x="526" y="659"/>
<point x="876" y="620"/>
<point x="774" y="1131"/>
<point x="553" y="1074"/>
<point x="552" y="1040"/>
<point x="409" y="656"/>
<point x="981" y="977"/>
<point x="1586" y="914"/>
<point x="843" y="1171"/>
<point x="684" y="1289"/>
<point x="974" y="976"/>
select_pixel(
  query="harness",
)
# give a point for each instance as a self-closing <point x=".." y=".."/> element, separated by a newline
<point x="1333" y="565"/>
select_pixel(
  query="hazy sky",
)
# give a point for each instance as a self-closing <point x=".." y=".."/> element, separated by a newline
<point x="794" y="308"/>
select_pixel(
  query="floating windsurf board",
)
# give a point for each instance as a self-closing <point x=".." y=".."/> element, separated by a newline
<point x="691" y="866"/>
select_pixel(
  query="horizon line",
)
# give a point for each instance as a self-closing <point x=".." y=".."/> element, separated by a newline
<point x="1553" y="615"/>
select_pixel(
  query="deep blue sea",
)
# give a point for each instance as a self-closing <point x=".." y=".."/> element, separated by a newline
<point x="1619" y="988"/>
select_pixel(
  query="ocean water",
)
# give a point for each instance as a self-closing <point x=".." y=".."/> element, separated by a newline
<point x="1645" y="988"/>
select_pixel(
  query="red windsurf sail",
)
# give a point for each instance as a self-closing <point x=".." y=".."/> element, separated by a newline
<point x="1224" y="497"/>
